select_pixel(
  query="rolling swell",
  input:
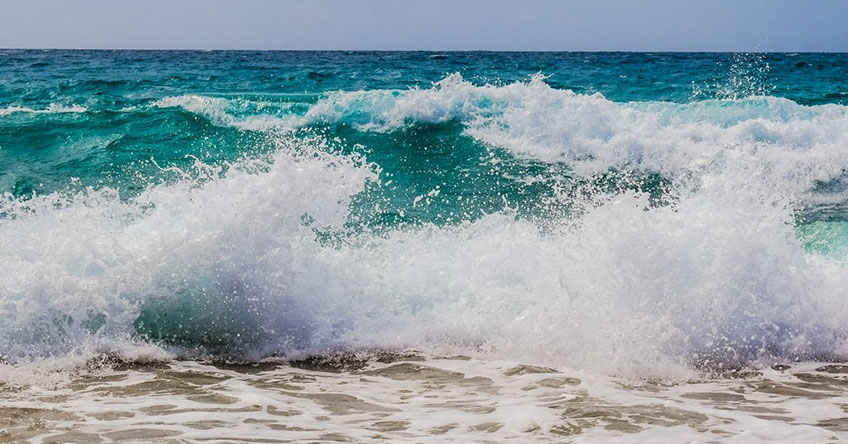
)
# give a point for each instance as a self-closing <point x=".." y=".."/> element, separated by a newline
<point x="513" y="219"/>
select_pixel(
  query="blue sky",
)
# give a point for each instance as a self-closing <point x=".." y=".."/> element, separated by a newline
<point x="626" y="25"/>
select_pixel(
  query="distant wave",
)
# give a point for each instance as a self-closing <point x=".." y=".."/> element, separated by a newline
<point x="53" y="108"/>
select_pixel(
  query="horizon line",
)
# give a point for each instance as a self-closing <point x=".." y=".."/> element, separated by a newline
<point x="640" y="51"/>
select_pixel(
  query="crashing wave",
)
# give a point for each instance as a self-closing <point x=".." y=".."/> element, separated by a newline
<point x="259" y="261"/>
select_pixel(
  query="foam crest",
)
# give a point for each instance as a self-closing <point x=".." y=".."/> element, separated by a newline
<point x="260" y="258"/>
<point x="643" y="292"/>
<point x="53" y="108"/>
<point x="594" y="134"/>
<point x="258" y="262"/>
<point x="238" y="113"/>
<point x="215" y="244"/>
<point x="798" y="145"/>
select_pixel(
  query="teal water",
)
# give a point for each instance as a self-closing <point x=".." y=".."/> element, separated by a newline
<point x="264" y="203"/>
<point x="121" y="129"/>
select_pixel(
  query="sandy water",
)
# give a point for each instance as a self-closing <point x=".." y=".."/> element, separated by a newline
<point x="410" y="398"/>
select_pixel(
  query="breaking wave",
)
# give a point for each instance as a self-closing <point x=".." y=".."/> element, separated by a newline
<point x="259" y="258"/>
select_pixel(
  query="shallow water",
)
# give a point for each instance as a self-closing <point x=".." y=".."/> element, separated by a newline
<point x="410" y="398"/>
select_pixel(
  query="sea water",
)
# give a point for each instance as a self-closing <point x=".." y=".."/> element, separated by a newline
<point x="423" y="246"/>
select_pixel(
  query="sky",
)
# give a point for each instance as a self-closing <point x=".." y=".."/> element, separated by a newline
<point x="540" y="25"/>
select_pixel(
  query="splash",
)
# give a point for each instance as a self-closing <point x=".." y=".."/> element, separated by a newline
<point x="799" y="145"/>
<point x="260" y="259"/>
<point x="747" y="76"/>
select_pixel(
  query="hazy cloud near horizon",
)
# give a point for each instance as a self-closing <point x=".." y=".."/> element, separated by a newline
<point x="647" y="25"/>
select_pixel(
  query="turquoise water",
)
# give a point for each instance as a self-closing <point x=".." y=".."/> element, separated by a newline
<point x="672" y="208"/>
<point x="121" y="128"/>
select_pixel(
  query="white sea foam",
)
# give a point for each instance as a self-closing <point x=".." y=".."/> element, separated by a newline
<point x="436" y="400"/>
<point x="593" y="134"/>
<point x="53" y="108"/>
<point x="237" y="113"/>
<point x="255" y="260"/>
<point x="797" y="144"/>
<point x="717" y="279"/>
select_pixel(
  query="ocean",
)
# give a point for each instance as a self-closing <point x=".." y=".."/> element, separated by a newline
<point x="235" y="246"/>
